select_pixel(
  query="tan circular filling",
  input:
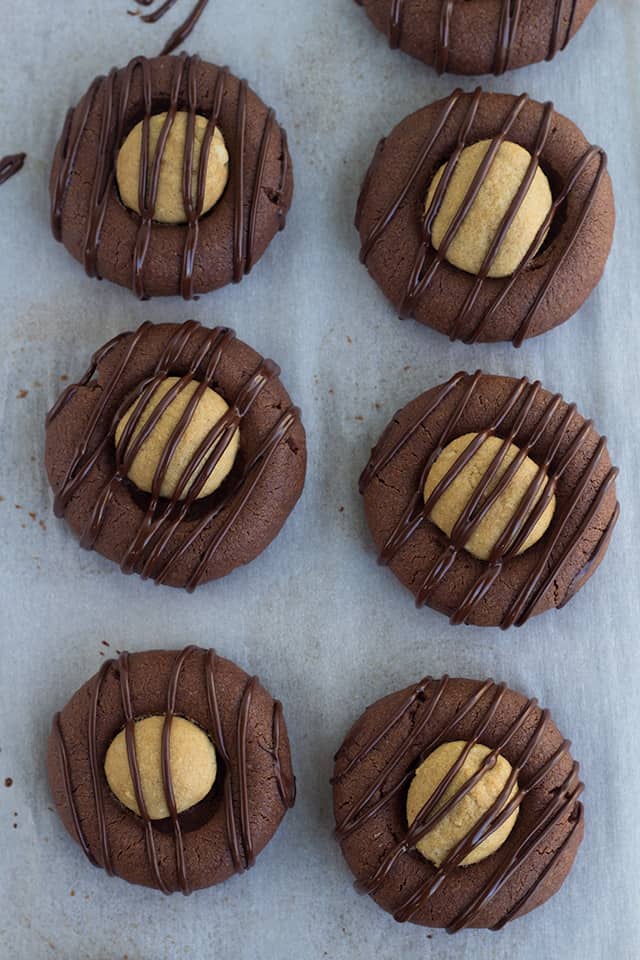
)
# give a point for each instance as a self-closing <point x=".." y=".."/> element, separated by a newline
<point x="466" y="813"/>
<point x="210" y="409"/>
<point x="477" y="231"/>
<point x="448" y="507"/>
<point x="169" y="207"/>
<point x="192" y="763"/>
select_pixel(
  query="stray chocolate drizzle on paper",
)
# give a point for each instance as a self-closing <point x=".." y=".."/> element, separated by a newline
<point x="10" y="165"/>
<point x="241" y="849"/>
<point x="561" y="804"/>
<point x="181" y="33"/>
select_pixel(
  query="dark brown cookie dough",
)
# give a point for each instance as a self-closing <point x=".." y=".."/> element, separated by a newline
<point x="550" y="285"/>
<point x="221" y="835"/>
<point x="376" y="764"/>
<point x="438" y="570"/>
<point x="156" y="259"/>
<point x="485" y="36"/>
<point x="187" y="542"/>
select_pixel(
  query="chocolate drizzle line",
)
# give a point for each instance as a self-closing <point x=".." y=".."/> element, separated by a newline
<point x="150" y="552"/>
<point x="551" y="468"/>
<point x="563" y="800"/>
<point x="113" y="132"/>
<point x="66" y="776"/>
<point x="10" y="165"/>
<point x="241" y="860"/>
<point x="243" y="722"/>
<point x="428" y="261"/>
<point x="286" y="786"/>
<point x="510" y="18"/>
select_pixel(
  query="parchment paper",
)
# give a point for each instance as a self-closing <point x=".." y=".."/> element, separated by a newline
<point x="326" y="629"/>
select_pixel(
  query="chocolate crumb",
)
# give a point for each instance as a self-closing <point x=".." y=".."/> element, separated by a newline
<point x="8" y="782"/>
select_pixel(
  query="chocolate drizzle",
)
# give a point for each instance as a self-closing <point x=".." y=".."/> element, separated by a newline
<point x="562" y="803"/>
<point x="243" y="856"/>
<point x="428" y="261"/>
<point x="181" y="33"/>
<point x="507" y="32"/>
<point x="10" y="165"/>
<point x="551" y="467"/>
<point x="286" y="786"/>
<point x="150" y="552"/>
<point x="113" y="93"/>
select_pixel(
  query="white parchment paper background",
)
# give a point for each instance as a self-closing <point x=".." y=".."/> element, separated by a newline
<point x="325" y="628"/>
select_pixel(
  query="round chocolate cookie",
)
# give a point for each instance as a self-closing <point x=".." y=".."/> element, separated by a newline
<point x="138" y="133"/>
<point x="178" y="455"/>
<point x="128" y="798"/>
<point x="490" y="499"/>
<point x="463" y="173"/>
<point x="513" y="790"/>
<point x="483" y="36"/>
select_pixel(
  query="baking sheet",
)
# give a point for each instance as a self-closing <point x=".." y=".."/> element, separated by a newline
<point x="326" y="629"/>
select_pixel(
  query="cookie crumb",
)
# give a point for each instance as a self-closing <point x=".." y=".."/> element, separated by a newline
<point x="64" y="376"/>
<point x="22" y="394"/>
<point x="8" y="781"/>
